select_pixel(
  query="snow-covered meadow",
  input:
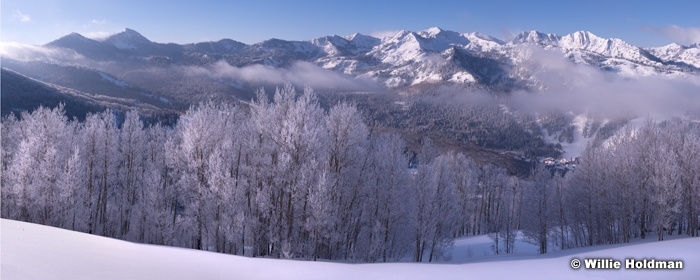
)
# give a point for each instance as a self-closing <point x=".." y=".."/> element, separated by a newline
<point x="31" y="251"/>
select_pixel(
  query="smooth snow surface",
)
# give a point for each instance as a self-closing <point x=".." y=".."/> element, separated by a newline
<point x="576" y="148"/>
<point x="32" y="251"/>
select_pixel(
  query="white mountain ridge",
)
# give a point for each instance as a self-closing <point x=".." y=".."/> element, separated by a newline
<point x="678" y="53"/>
<point x="408" y="58"/>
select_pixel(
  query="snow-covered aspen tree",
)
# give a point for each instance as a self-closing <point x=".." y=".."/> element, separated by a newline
<point x="537" y="208"/>
<point x="388" y="198"/>
<point x="348" y="141"/>
<point x="131" y="172"/>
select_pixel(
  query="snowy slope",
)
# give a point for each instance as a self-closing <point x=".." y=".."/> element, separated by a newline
<point x="479" y="42"/>
<point x="32" y="251"/>
<point x="678" y="54"/>
<point x="611" y="48"/>
<point x="536" y="38"/>
<point x="609" y="54"/>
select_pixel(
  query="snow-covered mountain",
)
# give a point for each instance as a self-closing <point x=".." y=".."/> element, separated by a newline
<point x="128" y="68"/>
<point x="408" y="58"/>
<point x="689" y="55"/>
<point x="537" y="38"/>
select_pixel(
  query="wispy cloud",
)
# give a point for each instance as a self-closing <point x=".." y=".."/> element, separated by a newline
<point x="99" y="21"/>
<point x="383" y="33"/>
<point x="586" y="89"/>
<point x="21" y="17"/>
<point x="300" y="73"/>
<point x="680" y="35"/>
<point x="25" y="52"/>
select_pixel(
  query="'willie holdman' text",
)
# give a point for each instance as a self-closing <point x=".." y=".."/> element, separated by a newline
<point x="603" y="263"/>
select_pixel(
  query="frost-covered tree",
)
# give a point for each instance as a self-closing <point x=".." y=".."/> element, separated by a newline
<point x="435" y="203"/>
<point x="537" y="208"/>
<point x="490" y="192"/>
<point x="581" y="197"/>
<point x="132" y="168"/>
<point x="11" y="137"/>
<point x="508" y="220"/>
<point x="498" y="203"/>
<point x="294" y="129"/>
<point x="348" y="143"/>
<point x="199" y="136"/>
<point x="560" y="220"/>
<point x="665" y="192"/>
<point x="36" y="166"/>
<point x="282" y="177"/>
<point x="158" y="208"/>
<point x="100" y="158"/>
<point x="387" y="231"/>
<point x="72" y="192"/>
<point x="683" y="140"/>
<point x="466" y="184"/>
<point x="423" y="184"/>
<point x="444" y="205"/>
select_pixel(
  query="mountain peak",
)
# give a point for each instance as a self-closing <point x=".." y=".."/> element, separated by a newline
<point x="613" y="48"/>
<point x="486" y="37"/>
<point x="71" y="40"/>
<point x="437" y="32"/>
<point x="344" y="45"/>
<point x="352" y="36"/>
<point x="400" y="34"/>
<point x="433" y="31"/>
<point x="358" y="36"/>
<point x="536" y="37"/>
<point x="74" y="36"/>
<point x="584" y="40"/>
<point x="363" y="41"/>
<point x="130" y="34"/>
<point x="127" y="39"/>
<point x="583" y="37"/>
<point x="672" y="46"/>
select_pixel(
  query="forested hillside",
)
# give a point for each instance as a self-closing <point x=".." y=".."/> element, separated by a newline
<point x="288" y="179"/>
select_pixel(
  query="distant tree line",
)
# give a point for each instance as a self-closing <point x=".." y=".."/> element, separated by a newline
<point x="285" y="178"/>
<point x="481" y="121"/>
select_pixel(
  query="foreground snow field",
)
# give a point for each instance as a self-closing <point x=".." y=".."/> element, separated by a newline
<point x="32" y="251"/>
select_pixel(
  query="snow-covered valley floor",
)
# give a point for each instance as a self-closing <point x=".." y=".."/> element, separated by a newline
<point x="30" y="251"/>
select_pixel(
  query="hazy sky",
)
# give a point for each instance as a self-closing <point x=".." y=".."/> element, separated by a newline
<point x="643" y="23"/>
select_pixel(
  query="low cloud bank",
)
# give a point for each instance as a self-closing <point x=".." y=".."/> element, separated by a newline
<point x="563" y="85"/>
<point x="300" y="73"/>
<point x="25" y="52"/>
<point x="586" y="89"/>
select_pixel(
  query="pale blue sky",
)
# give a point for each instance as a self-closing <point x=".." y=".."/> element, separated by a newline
<point x="643" y="23"/>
